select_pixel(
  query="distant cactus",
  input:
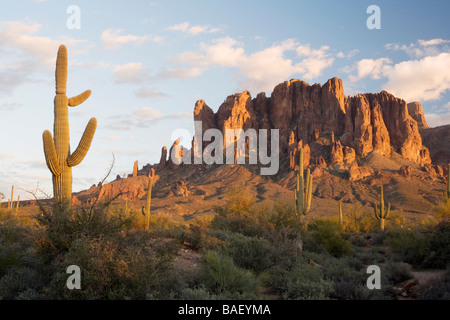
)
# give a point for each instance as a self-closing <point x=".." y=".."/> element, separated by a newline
<point x="10" y="203"/>
<point x="341" y="218"/>
<point x="303" y="191"/>
<point x="146" y="209"/>
<point x="57" y="149"/>
<point x="447" y="193"/>
<point x="135" y="168"/>
<point x="381" y="214"/>
<point x="17" y="204"/>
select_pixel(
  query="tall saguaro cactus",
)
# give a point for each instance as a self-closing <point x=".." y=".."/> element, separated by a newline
<point x="57" y="149"/>
<point x="341" y="217"/>
<point x="146" y="209"/>
<point x="303" y="191"/>
<point x="381" y="214"/>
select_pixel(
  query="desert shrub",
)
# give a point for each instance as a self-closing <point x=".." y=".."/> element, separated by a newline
<point x="442" y="210"/>
<point x="396" y="272"/>
<point x="370" y="255"/>
<point x="15" y="242"/>
<point x="437" y="289"/>
<point x="396" y="219"/>
<point x="63" y="225"/>
<point x="22" y="283"/>
<point x="219" y="274"/>
<point x="359" y="220"/>
<point x="427" y="247"/>
<point x="303" y="282"/>
<point x="22" y="273"/>
<point x="115" y="268"/>
<point x="329" y="234"/>
<point x="283" y="216"/>
<point x="251" y="253"/>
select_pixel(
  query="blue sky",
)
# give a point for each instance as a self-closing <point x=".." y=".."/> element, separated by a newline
<point x="148" y="62"/>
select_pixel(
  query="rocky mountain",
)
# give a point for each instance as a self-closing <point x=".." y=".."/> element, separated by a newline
<point x="352" y="145"/>
<point x="360" y="125"/>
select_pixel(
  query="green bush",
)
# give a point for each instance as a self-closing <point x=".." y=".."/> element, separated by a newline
<point x="426" y="247"/>
<point x="329" y="234"/>
<point x="303" y="282"/>
<point x="251" y="253"/>
<point x="115" y="268"/>
<point x="359" y="220"/>
<point x="396" y="272"/>
<point x="219" y="274"/>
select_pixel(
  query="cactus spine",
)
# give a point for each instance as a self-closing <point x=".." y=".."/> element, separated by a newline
<point x="303" y="191"/>
<point x="381" y="214"/>
<point x="146" y="209"/>
<point x="58" y="157"/>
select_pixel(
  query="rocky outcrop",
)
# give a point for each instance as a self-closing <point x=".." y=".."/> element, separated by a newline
<point x="163" y="160"/>
<point x="180" y="189"/>
<point x="356" y="173"/>
<point x="304" y="113"/>
<point x="437" y="140"/>
<point x="416" y="112"/>
<point x="405" y="171"/>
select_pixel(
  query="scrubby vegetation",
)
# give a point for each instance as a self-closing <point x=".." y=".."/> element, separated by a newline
<point x="247" y="251"/>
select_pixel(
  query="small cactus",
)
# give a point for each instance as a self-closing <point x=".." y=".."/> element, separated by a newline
<point x="303" y="191"/>
<point x="135" y="168"/>
<point x="381" y="214"/>
<point x="146" y="209"/>
<point x="447" y="193"/>
<point x="10" y="203"/>
<point x="17" y="204"/>
<point x="58" y="157"/>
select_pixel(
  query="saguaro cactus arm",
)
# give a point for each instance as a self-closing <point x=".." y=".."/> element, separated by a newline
<point x="80" y="152"/>
<point x="79" y="99"/>
<point x="51" y="158"/>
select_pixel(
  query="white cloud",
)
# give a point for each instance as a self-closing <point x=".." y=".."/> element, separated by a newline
<point x="130" y="73"/>
<point x="349" y="55"/>
<point x="114" y="39"/>
<point x="260" y="70"/>
<point x="421" y="48"/>
<point x="420" y="80"/>
<point x="23" y="53"/>
<point x="413" y="80"/>
<point x="432" y="42"/>
<point x="374" y="69"/>
<point x="143" y="117"/>
<point x="149" y="93"/>
<point x="186" y="27"/>
<point x="146" y="113"/>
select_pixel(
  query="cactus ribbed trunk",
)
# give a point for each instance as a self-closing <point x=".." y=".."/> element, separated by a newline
<point x="57" y="148"/>
<point x="381" y="214"/>
<point x="146" y="210"/>
<point x="303" y="191"/>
